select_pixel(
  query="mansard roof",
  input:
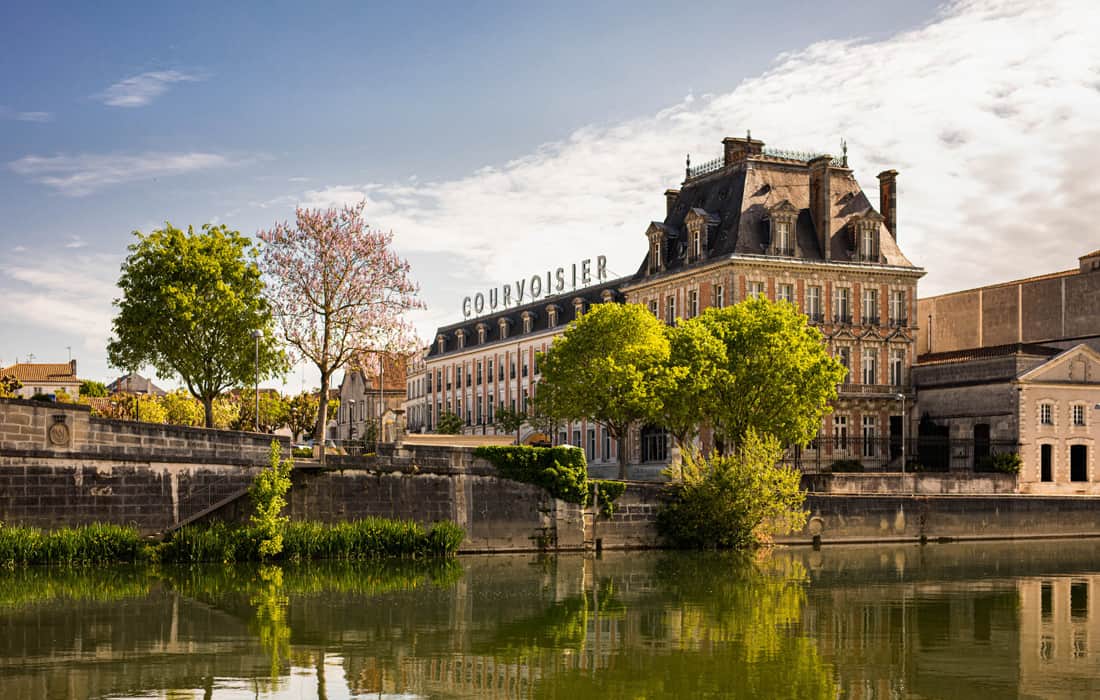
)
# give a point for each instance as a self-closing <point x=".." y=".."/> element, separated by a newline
<point x="739" y="195"/>
<point x="564" y="305"/>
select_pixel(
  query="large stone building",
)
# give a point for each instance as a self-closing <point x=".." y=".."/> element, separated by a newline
<point x="481" y="364"/>
<point x="795" y="227"/>
<point x="366" y="395"/>
<point x="416" y="392"/>
<point x="1060" y="309"/>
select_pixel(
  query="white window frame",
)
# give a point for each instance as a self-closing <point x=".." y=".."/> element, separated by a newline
<point x="1046" y="413"/>
<point x="784" y="291"/>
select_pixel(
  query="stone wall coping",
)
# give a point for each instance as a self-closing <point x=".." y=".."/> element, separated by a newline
<point x="50" y="405"/>
<point x="217" y="434"/>
<point x="137" y="454"/>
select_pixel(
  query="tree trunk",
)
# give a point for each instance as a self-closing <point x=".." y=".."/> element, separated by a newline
<point x="322" y="416"/>
<point x="621" y="453"/>
<point x="208" y="409"/>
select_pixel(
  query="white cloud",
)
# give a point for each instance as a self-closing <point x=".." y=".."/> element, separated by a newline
<point x="140" y="90"/>
<point x="76" y="242"/>
<point x="40" y="117"/>
<point x="988" y="112"/>
<point x="82" y="174"/>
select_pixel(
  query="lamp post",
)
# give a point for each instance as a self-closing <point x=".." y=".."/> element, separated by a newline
<point x="256" y="334"/>
<point x="901" y="397"/>
<point x="381" y="399"/>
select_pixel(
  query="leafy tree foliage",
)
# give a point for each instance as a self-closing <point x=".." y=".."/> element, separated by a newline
<point x="91" y="388"/>
<point x="448" y="424"/>
<point x="180" y="408"/>
<point x="734" y="501"/>
<point x="508" y="420"/>
<point x="695" y="357"/>
<point x="775" y="376"/>
<point x="274" y="411"/>
<point x="338" y="289"/>
<point x="605" y="369"/>
<point x="9" y="387"/>
<point x="190" y="302"/>
<point x="301" y="416"/>
<point x="268" y="492"/>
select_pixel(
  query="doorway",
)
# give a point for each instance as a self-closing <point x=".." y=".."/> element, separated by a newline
<point x="1046" y="462"/>
<point x="981" y="444"/>
<point x="1078" y="463"/>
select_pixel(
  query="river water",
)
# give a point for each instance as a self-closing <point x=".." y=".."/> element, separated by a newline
<point x="990" y="620"/>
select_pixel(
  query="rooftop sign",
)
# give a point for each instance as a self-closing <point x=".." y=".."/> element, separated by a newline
<point x="525" y="291"/>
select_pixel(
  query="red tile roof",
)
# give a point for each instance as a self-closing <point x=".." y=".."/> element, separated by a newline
<point x="41" y="372"/>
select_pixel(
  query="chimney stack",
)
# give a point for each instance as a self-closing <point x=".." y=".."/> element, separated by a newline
<point x="670" y="200"/>
<point x="735" y="150"/>
<point x="888" y="199"/>
<point x="821" y="202"/>
<point x="72" y="366"/>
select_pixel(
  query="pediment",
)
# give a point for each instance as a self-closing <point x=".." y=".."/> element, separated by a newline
<point x="658" y="229"/>
<point x="784" y="207"/>
<point x="842" y="334"/>
<point x="1078" y="365"/>
<point x="870" y="333"/>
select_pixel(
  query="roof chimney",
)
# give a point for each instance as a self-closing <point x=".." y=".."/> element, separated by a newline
<point x="888" y="199"/>
<point x="72" y="367"/>
<point x="736" y="150"/>
<point x="821" y="202"/>
<point x="670" y="200"/>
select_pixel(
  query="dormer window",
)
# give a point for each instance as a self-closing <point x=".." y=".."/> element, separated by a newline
<point x="460" y="335"/>
<point x="782" y="218"/>
<point x="441" y="343"/>
<point x="865" y="236"/>
<point x="697" y="223"/>
<point x="578" y="307"/>
<point x="482" y="332"/>
<point x="657" y="233"/>
<point x="503" y="328"/>
<point x="528" y="321"/>
<point x="607" y="296"/>
<point x="552" y="315"/>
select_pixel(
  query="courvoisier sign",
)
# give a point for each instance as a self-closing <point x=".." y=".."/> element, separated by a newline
<point x="523" y="291"/>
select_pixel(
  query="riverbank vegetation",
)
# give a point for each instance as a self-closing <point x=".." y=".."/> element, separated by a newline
<point x="562" y="471"/>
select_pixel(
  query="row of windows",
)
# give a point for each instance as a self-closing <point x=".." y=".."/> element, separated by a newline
<point x="1078" y="413"/>
<point x="480" y="372"/>
<point x="553" y="317"/>
<point x="813" y="307"/>
<point x="869" y="365"/>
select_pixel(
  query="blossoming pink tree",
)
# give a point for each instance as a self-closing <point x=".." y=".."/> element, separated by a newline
<point x="338" y="290"/>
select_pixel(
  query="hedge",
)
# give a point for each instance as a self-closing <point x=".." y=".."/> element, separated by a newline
<point x="562" y="471"/>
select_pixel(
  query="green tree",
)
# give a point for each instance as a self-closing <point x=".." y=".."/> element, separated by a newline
<point x="695" y="357"/>
<point x="508" y="420"/>
<point x="9" y="387"/>
<point x="268" y="492"/>
<point x="190" y="302"/>
<point x="734" y="501"/>
<point x="274" y="411"/>
<point x="448" y="424"/>
<point x="301" y="414"/>
<point x="92" y="388"/>
<point x="777" y="377"/>
<point x="605" y="369"/>
<point x="180" y="408"/>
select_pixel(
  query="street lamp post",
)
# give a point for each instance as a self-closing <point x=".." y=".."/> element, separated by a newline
<point x="256" y="334"/>
<point x="901" y="396"/>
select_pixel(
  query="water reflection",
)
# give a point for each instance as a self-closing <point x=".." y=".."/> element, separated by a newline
<point x="943" y="621"/>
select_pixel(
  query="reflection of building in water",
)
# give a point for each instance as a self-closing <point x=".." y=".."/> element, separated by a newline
<point x="1058" y="632"/>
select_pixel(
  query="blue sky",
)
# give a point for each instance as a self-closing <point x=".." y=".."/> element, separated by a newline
<point x="500" y="138"/>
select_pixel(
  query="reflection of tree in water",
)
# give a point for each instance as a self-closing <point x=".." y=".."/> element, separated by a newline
<point x="711" y="626"/>
<point x="269" y="601"/>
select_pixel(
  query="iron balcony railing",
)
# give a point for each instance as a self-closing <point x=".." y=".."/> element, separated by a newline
<point x="901" y="322"/>
<point x="874" y="389"/>
<point x="783" y="252"/>
<point x="923" y="453"/>
<point x="843" y="318"/>
<point x="706" y="168"/>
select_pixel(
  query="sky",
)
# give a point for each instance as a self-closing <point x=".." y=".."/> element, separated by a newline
<point x="498" y="140"/>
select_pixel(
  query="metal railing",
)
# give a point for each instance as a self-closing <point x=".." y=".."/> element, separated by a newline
<point x="799" y="156"/>
<point x="899" y="322"/>
<point x="883" y="454"/>
<point x="784" y="252"/>
<point x="874" y="389"/>
<point x="706" y="168"/>
<point x="843" y="318"/>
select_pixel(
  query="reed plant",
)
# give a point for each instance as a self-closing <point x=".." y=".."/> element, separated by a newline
<point x="370" y="538"/>
<point x="86" y="544"/>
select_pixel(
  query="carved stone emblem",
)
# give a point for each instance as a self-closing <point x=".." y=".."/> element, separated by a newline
<point x="58" y="433"/>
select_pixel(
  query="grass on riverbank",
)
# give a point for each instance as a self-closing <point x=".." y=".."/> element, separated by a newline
<point x="371" y="538"/>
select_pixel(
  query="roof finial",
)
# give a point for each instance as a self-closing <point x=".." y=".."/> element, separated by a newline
<point x="687" y="167"/>
<point x="844" y="149"/>
<point x="748" y="135"/>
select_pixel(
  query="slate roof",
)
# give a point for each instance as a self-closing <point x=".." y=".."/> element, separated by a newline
<point x="27" y="372"/>
<point x="740" y="195"/>
<point x="135" y="384"/>
<point x="540" y="321"/>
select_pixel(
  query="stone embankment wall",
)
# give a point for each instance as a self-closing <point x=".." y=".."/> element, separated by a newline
<point x="97" y="470"/>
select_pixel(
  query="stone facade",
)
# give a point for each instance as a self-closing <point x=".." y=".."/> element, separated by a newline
<point x="362" y="403"/>
<point x="416" y="393"/>
<point x="1036" y="400"/>
<point x="1059" y="309"/>
<point x="794" y="227"/>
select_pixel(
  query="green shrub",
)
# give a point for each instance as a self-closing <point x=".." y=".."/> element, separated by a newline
<point x="268" y="492"/>
<point x="86" y="544"/>
<point x="562" y="471"/>
<point x="1003" y="462"/>
<point x="733" y="501"/>
<point x="846" y="465"/>
<point x="609" y="492"/>
<point x="302" y="452"/>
